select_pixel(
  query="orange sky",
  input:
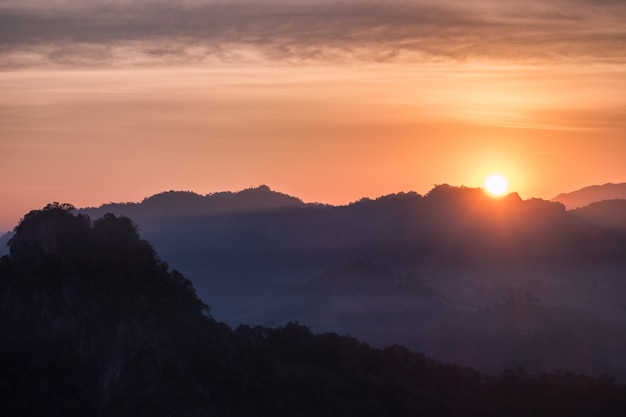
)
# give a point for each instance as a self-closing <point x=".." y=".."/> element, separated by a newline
<point x="329" y="102"/>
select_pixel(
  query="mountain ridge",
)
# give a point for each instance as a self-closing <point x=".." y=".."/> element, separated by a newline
<point x="187" y="203"/>
<point x="95" y="324"/>
<point x="591" y="194"/>
<point x="462" y="249"/>
<point x="609" y="214"/>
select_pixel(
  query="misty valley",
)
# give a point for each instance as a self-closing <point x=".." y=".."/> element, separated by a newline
<point x="255" y="303"/>
<point x="453" y="274"/>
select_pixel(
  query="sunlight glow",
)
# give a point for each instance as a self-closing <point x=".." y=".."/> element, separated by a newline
<point x="496" y="184"/>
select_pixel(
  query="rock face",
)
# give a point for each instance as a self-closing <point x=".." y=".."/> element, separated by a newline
<point x="48" y="236"/>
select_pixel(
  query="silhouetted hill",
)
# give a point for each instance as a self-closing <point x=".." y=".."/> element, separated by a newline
<point x="86" y="311"/>
<point x="238" y="258"/>
<point x="181" y="204"/>
<point x="261" y="266"/>
<point x="451" y="225"/>
<point x="609" y="214"/>
<point x="93" y="323"/>
<point x="592" y="194"/>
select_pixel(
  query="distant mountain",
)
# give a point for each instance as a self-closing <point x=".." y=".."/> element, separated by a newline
<point x="389" y="268"/>
<point x="609" y="214"/>
<point x="239" y="255"/>
<point x="173" y="204"/>
<point x="592" y="194"/>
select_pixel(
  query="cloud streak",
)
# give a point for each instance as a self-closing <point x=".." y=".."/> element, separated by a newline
<point x="145" y="33"/>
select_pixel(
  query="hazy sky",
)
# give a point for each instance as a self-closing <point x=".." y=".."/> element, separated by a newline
<point x="330" y="101"/>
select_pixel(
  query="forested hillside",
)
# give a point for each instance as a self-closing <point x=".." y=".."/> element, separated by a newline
<point x="262" y="264"/>
<point x="93" y="323"/>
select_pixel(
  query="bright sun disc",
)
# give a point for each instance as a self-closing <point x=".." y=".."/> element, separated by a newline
<point x="496" y="184"/>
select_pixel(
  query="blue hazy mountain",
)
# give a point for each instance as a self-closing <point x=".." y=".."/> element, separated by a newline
<point x="592" y="194"/>
<point x="388" y="269"/>
<point x="94" y="323"/>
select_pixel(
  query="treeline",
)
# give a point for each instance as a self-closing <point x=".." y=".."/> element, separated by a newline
<point x="93" y="323"/>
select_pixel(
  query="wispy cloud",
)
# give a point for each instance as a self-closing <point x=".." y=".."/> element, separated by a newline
<point x="71" y="33"/>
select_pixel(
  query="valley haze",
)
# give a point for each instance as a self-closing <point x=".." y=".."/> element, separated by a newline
<point x="454" y="273"/>
<point x="94" y="323"/>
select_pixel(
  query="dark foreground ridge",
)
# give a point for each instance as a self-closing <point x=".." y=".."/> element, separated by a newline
<point x="93" y="323"/>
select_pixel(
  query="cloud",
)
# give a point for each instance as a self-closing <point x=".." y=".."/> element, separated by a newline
<point x="68" y="33"/>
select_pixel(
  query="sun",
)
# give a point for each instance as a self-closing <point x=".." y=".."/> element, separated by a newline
<point x="496" y="185"/>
